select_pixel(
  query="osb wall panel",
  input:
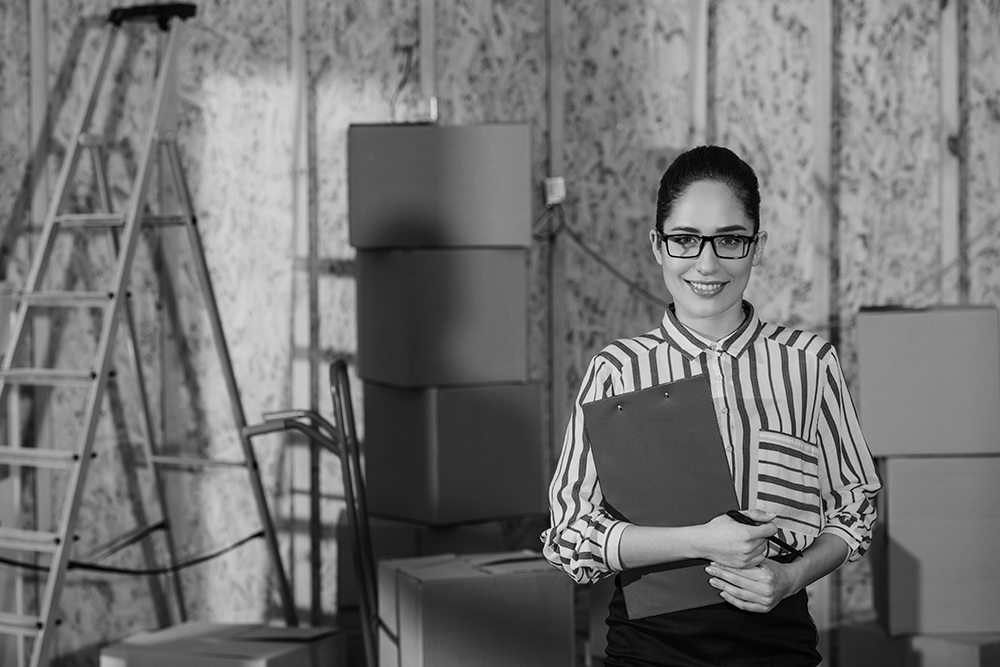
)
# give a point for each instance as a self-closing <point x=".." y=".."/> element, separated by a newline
<point x="983" y="185"/>
<point x="14" y="124"/>
<point x="14" y="151"/>
<point x="890" y="158"/>
<point x="627" y="116"/>
<point x="237" y="114"/>
<point x="763" y="110"/>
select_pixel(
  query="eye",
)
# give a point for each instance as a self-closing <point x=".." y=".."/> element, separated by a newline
<point x="730" y="241"/>
<point x="686" y="240"/>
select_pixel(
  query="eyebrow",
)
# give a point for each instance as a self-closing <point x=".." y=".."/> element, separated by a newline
<point x="720" y="230"/>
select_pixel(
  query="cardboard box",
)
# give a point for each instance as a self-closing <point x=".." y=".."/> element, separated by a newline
<point x="442" y="317"/>
<point x="866" y="645"/>
<point x="226" y="645"/>
<point x="489" y="610"/>
<point x="930" y="380"/>
<point x="401" y="539"/>
<point x="429" y="186"/>
<point x="934" y="556"/>
<point x="957" y="650"/>
<point x="450" y="455"/>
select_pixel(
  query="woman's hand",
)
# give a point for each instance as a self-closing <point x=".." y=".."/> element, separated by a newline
<point x="757" y="589"/>
<point x="734" y="544"/>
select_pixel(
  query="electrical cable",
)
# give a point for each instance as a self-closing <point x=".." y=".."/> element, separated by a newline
<point x="107" y="569"/>
<point x="832" y="323"/>
<point x="407" y="71"/>
<point x="134" y="539"/>
<point x="565" y="227"/>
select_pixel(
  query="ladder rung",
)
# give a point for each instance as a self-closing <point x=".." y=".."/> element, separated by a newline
<point x="16" y="624"/>
<point x="28" y="540"/>
<point x="105" y="220"/>
<point x="49" y="377"/>
<point x="195" y="462"/>
<point x="38" y="458"/>
<point x="89" y="140"/>
<point x="68" y="299"/>
<point x="163" y="221"/>
<point x="96" y="220"/>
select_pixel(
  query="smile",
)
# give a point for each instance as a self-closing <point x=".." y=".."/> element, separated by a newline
<point x="706" y="289"/>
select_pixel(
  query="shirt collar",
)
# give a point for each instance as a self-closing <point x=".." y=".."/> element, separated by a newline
<point x="692" y="344"/>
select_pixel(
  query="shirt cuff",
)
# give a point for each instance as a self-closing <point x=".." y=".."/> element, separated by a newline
<point x="613" y="546"/>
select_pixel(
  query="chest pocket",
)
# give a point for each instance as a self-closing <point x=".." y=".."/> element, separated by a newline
<point x="788" y="482"/>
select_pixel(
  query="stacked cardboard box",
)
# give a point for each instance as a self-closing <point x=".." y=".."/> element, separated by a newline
<point x="441" y="219"/>
<point x="930" y="409"/>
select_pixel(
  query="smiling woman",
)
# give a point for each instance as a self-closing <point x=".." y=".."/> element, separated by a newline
<point x="799" y="464"/>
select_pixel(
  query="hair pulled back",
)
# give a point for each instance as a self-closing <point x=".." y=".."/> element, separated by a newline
<point x="708" y="163"/>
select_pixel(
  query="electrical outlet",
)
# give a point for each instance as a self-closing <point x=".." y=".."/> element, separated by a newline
<point x="555" y="190"/>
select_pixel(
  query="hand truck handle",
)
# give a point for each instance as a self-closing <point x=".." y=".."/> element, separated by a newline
<point x="161" y="14"/>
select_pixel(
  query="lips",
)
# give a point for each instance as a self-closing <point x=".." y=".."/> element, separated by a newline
<point x="706" y="289"/>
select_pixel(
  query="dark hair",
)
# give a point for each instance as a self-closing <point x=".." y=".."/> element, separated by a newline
<point x="708" y="163"/>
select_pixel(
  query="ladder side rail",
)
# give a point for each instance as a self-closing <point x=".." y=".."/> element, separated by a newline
<point x="14" y="440"/>
<point x="71" y="505"/>
<point x="178" y="613"/>
<point x="253" y="469"/>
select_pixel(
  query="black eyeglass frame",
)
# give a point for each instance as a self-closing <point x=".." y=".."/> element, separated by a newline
<point x="748" y="243"/>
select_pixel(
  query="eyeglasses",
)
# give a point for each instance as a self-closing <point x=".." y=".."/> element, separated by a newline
<point x="726" y="246"/>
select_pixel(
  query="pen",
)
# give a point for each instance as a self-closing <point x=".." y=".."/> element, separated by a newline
<point x="740" y="517"/>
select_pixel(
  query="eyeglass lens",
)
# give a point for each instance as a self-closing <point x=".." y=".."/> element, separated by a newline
<point x="725" y="246"/>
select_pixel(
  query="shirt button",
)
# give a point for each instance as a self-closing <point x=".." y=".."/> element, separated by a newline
<point x="729" y="448"/>
<point x="724" y="410"/>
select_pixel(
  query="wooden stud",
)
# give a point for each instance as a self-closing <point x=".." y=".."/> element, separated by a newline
<point x="950" y="128"/>
<point x="428" y="52"/>
<point x="304" y="461"/>
<point x="822" y="162"/>
<point x="558" y="407"/>
<point x="698" y="45"/>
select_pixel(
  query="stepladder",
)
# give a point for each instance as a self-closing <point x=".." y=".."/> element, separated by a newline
<point x="39" y="551"/>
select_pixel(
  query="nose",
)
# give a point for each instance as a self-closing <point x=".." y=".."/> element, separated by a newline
<point x="708" y="262"/>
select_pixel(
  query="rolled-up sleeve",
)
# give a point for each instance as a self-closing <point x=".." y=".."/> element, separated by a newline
<point x="582" y="539"/>
<point x="851" y="478"/>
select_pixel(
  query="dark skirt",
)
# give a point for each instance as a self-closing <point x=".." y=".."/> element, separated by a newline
<point x="720" y="634"/>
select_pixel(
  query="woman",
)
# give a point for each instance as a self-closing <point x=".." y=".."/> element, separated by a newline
<point x="800" y="465"/>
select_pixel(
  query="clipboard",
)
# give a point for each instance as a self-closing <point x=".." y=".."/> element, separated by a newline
<point x="661" y="462"/>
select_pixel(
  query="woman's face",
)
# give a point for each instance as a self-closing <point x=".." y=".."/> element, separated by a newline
<point x="708" y="291"/>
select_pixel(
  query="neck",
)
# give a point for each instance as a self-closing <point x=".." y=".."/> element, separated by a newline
<point x="716" y="327"/>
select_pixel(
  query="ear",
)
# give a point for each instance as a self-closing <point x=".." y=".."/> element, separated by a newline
<point x="758" y="248"/>
<point x="657" y="246"/>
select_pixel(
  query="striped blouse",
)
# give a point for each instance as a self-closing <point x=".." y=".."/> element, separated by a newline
<point x="789" y="427"/>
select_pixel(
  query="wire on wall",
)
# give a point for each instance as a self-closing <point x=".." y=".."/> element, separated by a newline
<point x="563" y="227"/>
<point x="555" y="219"/>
